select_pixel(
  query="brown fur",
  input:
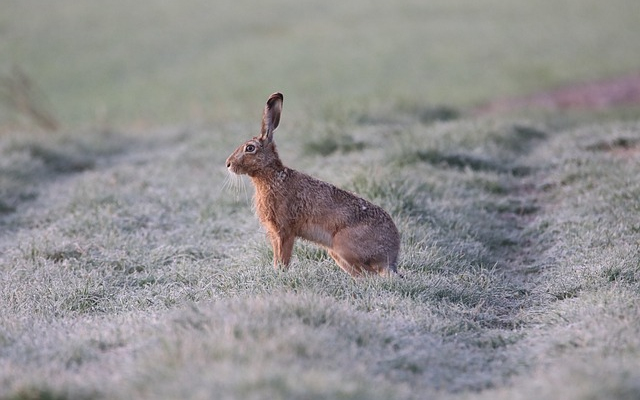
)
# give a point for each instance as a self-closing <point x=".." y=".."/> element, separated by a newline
<point x="360" y="236"/>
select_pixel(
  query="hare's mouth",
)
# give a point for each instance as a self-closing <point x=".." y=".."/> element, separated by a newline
<point x="233" y="168"/>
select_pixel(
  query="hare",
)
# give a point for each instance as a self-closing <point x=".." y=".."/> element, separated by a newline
<point x="360" y="236"/>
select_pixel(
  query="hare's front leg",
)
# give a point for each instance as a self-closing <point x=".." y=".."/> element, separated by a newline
<point x="282" y="250"/>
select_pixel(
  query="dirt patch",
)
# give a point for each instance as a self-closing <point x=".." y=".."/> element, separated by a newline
<point x="603" y="94"/>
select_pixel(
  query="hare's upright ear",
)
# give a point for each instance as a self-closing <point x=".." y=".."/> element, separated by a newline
<point x="271" y="116"/>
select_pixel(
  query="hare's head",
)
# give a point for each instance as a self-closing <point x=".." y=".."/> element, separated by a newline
<point x="257" y="154"/>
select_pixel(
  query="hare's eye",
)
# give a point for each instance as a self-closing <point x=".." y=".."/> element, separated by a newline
<point x="250" y="148"/>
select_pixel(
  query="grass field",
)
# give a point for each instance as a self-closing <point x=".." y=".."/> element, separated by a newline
<point x="129" y="270"/>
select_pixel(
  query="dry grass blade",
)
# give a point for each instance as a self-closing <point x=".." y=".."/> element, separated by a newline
<point x="22" y="95"/>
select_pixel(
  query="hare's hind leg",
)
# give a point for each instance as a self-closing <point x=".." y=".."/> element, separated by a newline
<point x="351" y="269"/>
<point x="356" y="270"/>
<point x="383" y="268"/>
<point x="349" y="249"/>
<point x="356" y="253"/>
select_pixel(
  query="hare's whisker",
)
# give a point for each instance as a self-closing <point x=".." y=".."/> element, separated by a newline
<point x="244" y="188"/>
<point x="235" y="184"/>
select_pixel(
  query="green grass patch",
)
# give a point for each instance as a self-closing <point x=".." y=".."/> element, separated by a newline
<point x="151" y="64"/>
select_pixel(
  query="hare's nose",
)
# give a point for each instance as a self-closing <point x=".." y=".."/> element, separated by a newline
<point x="228" y="164"/>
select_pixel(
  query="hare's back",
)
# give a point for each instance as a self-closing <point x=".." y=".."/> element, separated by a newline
<point x="330" y="205"/>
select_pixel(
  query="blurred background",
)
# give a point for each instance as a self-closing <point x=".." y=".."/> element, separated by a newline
<point x="148" y="63"/>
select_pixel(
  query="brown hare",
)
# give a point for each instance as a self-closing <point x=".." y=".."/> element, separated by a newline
<point x="360" y="236"/>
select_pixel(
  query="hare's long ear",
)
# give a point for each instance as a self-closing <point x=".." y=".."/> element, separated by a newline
<point x="271" y="116"/>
